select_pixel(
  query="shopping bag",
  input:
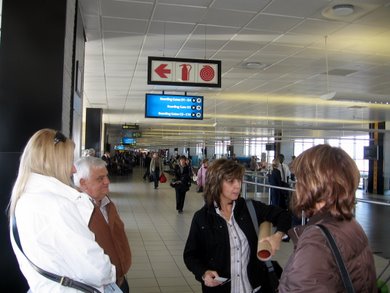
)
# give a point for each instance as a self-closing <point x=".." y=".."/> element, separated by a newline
<point x="163" y="179"/>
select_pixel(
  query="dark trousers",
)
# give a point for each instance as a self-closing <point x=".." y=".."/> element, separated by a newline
<point x="146" y="174"/>
<point x="275" y="197"/>
<point x="180" y="197"/>
<point x="156" y="177"/>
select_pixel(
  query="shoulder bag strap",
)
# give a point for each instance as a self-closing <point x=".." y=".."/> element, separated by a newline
<point x="64" y="281"/>
<point x="252" y="213"/>
<point x="340" y="263"/>
<point x="255" y="223"/>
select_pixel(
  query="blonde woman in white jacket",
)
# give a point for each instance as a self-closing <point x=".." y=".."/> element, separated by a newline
<point x="52" y="232"/>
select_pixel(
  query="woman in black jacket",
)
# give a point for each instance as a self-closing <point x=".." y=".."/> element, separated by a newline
<point x="182" y="182"/>
<point x="222" y="241"/>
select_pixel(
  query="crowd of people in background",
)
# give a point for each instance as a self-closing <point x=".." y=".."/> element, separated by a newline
<point x="123" y="162"/>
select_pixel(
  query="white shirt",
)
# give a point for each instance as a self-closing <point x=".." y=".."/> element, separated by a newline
<point x="284" y="172"/>
<point x="239" y="256"/>
<point x="56" y="238"/>
<point x="103" y="206"/>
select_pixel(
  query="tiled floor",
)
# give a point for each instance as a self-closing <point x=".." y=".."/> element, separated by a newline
<point x="157" y="234"/>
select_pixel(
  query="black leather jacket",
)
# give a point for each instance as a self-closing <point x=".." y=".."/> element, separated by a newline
<point x="183" y="175"/>
<point x="208" y="246"/>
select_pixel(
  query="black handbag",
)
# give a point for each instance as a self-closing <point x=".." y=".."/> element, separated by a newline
<point x="174" y="183"/>
<point x="273" y="267"/>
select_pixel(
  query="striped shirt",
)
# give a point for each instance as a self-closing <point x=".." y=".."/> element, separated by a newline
<point x="239" y="255"/>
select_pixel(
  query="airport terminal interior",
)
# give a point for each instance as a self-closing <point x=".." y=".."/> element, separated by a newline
<point x="262" y="77"/>
<point x="157" y="233"/>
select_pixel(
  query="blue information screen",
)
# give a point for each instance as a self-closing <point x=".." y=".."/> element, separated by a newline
<point x="173" y="106"/>
<point x="128" y="140"/>
<point x="120" y="147"/>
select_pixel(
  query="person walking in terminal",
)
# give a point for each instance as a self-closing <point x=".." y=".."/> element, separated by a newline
<point x="50" y="232"/>
<point x="91" y="177"/>
<point x="201" y="175"/>
<point x="253" y="165"/>
<point x="107" y="158"/>
<point x="234" y="158"/>
<point x="222" y="241"/>
<point x="147" y="161"/>
<point x="156" y="168"/>
<point x="275" y="179"/>
<point x="292" y="176"/>
<point x="326" y="182"/>
<point x="284" y="170"/>
<point x="181" y="182"/>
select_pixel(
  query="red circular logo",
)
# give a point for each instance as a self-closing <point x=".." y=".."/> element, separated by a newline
<point x="207" y="73"/>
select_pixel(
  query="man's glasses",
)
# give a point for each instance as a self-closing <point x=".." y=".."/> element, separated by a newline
<point x="59" y="137"/>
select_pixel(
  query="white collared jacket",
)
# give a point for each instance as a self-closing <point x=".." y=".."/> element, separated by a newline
<point x="55" y="237"/>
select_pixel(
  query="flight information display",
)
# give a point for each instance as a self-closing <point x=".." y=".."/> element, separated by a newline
<point x="128" y="140"/>
<point x="173" y="106"/>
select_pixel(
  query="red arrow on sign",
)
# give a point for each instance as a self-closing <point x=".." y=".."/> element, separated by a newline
<point x="161" y="71"/>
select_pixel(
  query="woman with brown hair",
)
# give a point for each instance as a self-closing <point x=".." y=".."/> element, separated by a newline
<point x="327" y="179"/>
<point x="222" y="241"/>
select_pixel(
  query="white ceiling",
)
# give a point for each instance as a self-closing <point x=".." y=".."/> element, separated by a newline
<point x="293" y="39"/>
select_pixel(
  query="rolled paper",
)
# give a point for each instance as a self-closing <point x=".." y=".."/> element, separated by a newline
<point x="264" y="248"/>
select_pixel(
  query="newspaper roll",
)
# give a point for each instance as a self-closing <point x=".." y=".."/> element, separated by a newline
<point x="264" y="248"/>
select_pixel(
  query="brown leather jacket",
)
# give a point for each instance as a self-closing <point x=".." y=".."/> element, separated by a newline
<point x="112" y="238"/>
<point x="312" y="267"/>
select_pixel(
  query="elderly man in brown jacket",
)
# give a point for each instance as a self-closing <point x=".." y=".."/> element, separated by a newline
<point x="104" y="221"/>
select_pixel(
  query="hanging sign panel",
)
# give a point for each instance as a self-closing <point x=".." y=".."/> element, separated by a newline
<point x="173" y="106"/>
<point x="184" y="72"/>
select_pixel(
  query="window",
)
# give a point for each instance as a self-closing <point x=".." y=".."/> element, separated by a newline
<point x="352" y="145"/>
<point x="199" y="148"/>
<point x="257" y="147"/>
<point x="300" y="145"/>
<point x="221" y="148"/>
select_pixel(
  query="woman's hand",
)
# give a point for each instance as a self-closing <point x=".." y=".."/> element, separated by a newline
<point x="209" y="279"/>
<point x="274" y="240"/>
